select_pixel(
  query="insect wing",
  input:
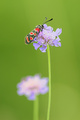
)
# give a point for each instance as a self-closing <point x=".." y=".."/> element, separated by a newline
<point x="30" y="37"/>
<point x="27" y="40"/>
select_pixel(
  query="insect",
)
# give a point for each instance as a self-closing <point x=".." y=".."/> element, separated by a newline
<point x="30" y="37"/>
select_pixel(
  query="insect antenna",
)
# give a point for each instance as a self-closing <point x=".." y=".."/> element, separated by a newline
<point x="45" y="20"/>
<point x="48" y="20"/>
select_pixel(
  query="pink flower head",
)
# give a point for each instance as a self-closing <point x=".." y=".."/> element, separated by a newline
<point x="47" y="37"/>
<point x="32" y="86"/>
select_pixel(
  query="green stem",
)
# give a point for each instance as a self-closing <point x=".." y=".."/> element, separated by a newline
<point x="35" y="116"/>
<point x="49" y="67"/>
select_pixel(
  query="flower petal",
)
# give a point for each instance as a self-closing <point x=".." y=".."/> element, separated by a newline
<point x="34" y="39"/>
<point x="20" y="92"/>
<point x="49" y="28"/>
<point x="58" y="39"/>
<point x="45" y="26"/>
<point x="36" y="45"/>
<point x="59" y="44"/>
<point x="32" y="97"/>
<point x="43" y="48"/>
<point x="58" y="31"/>
<point x="44" y="90"/>
<point x="55" y="42"/>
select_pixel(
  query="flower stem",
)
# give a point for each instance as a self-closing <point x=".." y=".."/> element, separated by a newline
<point x="35" y="116"/>
<point x="49" y="67"/>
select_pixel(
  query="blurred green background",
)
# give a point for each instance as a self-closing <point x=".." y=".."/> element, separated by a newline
<point x="17" y="19"/>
